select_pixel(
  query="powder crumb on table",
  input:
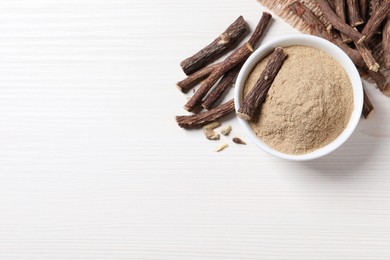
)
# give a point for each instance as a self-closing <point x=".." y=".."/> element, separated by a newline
<point x="308" y="105"/>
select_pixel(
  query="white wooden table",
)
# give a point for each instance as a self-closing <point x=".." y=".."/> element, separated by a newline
<point x="93" y="165"/>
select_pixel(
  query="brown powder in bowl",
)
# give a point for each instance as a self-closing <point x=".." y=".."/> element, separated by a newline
<point x="308" y="105"/>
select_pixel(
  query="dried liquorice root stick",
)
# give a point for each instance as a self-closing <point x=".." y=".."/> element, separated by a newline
<point x="186" y="84"/>
<point x="251" y="104"/>
<point x="386" y="43"/>
<point x="375" y="21"/>
<point x="238" y="56"/>
<point x="215" y="49"/>
<point x="339" y="6"/>
<point x="228" y="79"/>
<point x="225" y="83"/>
<point x="353" y="13"/>
<point x="367" y="106"/>
<point x="357" y="37"/>
<point x="201" y="119"/>
<point x="260" y="29"/>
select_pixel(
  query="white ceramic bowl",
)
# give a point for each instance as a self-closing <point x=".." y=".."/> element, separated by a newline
<point x="321" y="44"/>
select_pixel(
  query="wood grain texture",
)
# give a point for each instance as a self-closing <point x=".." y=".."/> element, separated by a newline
<point x="90" y="170"/>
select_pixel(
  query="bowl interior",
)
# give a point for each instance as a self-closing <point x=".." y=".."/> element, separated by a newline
<point x="332" y="50"/>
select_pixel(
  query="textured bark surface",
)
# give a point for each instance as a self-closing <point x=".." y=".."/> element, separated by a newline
<point x="192" y="80"/>
<point x="204" y="118"/>
<point x="225" y="83"/>
<point x="367" y="105"/>
<point x="218" y="47"/>
<point x="386" y="43"/>
<point x="251" y="104"/>
<point x="375" y="5"/>
<point x="380" y="81"/>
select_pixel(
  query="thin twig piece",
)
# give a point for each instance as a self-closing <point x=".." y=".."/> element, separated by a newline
<point x="221" y="147"/>
<point x="386" y="43"/>
<point x="375" y="5"/>
<point x="251" y="104"/>
<point x="376" y="20"/>
<point x="331" y="4"/>
<point x="217" y="92"/>
<point x="192" y="80"/>
<point x="367" y="105"/>
<point x="218" y="47"/>
<point x="353" y="13"/>
<point x="238" y="56"/>
<point x="201" y="119"/>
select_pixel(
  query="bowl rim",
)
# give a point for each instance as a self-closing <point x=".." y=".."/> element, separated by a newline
<point x="321" y="44"/>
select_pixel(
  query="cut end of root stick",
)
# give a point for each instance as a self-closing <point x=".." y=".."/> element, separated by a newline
<point x="358" y="23"/>
<point x="361" y="40"/>
<point x="179" y="87"/>
<point x="249" y="46"/>
<point x="243" y="116"/>
<point x="187" y="108"/>
<point x="375" y="67"/>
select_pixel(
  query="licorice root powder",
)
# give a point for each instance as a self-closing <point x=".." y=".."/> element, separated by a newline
<point x="308" y="105"/>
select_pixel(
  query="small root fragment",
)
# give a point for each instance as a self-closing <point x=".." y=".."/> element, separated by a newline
<point x="208" y="130"/>
<point x="222" y="147"/>
<point x="238" y="140"/>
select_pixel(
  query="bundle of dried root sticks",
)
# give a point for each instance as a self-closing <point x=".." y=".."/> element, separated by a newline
<point x="197" y="70"/>
<point x="361" y="28"/>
